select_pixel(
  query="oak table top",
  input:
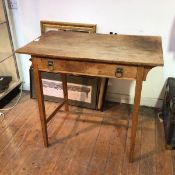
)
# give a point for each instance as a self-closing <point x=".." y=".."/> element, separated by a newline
<point x="120" y="49"/>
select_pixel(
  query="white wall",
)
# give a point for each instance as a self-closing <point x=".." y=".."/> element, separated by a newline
<point x="140" y="17"/>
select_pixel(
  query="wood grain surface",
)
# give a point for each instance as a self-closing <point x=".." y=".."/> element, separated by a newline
<point x="84" y="142"/>
<point x="86" y="68"/>
<point x="124" y="49"/>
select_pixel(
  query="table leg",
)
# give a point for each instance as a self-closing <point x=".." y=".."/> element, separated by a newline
<point x="102" y="90"/>
<point x="41" y="106"/>
<point x="65" y="91"/>
<point x="135" y="112"/>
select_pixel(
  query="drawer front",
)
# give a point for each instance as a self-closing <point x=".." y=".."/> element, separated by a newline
<point x="86" y="68"/>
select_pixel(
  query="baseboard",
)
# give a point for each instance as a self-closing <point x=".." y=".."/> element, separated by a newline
<point x="26" y="86"/>
<point x="124" y="98"/>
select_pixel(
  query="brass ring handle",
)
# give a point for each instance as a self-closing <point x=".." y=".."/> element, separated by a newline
<point x="119" y="72"/>
<point x="50" y="65"/>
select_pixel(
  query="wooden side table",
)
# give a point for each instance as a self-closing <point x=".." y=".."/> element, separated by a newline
<point x="113" y="56"/>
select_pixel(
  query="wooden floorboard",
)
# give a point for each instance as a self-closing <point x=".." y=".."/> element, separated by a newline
<point x="127" y="167"/>
<point x="164" y="163"/>
<point x="173" y="161"/>
<point x="85" y="136"/>
<point x="82" y="142"/>
<point x="148" y="145"/>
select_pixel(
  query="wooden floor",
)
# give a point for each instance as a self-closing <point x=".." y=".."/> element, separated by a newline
<point x="83" y="142"/>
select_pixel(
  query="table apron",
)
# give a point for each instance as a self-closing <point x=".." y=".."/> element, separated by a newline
<point x="86" y="68"/>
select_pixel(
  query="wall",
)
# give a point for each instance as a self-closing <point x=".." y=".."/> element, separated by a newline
<point x="138" y="17"/>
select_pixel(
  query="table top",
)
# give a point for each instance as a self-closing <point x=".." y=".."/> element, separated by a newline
<point x="121" y="49"/>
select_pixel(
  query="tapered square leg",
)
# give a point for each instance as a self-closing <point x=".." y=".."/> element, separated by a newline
<point x="65" y="90"/>
<point x="134" y="117"/>
<point x="41" y="106"/>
